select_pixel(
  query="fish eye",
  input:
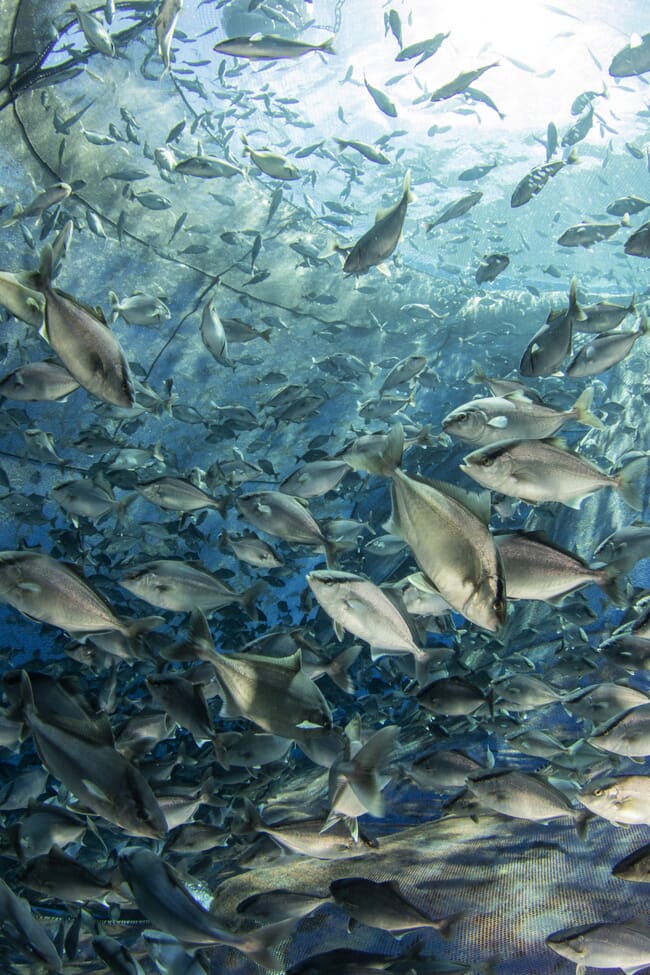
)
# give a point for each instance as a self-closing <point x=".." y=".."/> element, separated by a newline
<point x="599" y="792"/>
<point x="486" y="460"/>
<point x="461" y="417"/>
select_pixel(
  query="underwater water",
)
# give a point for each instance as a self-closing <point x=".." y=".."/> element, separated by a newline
<point x="278" y="642"/>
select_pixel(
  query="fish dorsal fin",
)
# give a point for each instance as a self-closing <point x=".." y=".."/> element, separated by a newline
<point x="517" y="396"/>
<point x="293" y="662"/>
<point x="477" y="502"/>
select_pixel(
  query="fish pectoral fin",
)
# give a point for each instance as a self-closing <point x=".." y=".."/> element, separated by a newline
<point x="383" y="270"/>
<point x="31" y="587"/>
<point x="95" y="790"/>
<point x="498" y="422"/>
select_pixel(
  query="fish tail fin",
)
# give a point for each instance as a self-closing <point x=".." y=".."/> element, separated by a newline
<point x="478" y="374"/>
<point x="644" y="325"/>
<point x="135" y="628"/>
<point x="632" y="305"/>
<point x="16" y="215"/>
<point x="410" y="196"/>
<point x="573" y="158"/>
<point x="446" y="925"/>
<point x="338" y="668"/>
<point x="220" y="751"/>
<point x="364" y="778"/>
<point x="263" y="945"/>
<point x="331" y="553"/>
<point x="266" y="334"/>
<point x="248" y="819"/>
<point x="613" y="581"/>
<point x="582" y="408"/>
<point x="625" y="482"/>
<point x="122" y="506"/>
<point x="247" y="148"/>
<point x="199" y="637"/>
<point x="575" y="311"/>
<point x="114" y="300"/>
<point x="249" y="597"/>
<point x="328" y="45"/>
<point x="222" y="504"/>
<point x="583" y="818"/>
<point x="389" y="457"/>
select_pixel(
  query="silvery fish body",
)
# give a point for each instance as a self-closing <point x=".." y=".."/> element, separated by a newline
<point x="380" y="241"/>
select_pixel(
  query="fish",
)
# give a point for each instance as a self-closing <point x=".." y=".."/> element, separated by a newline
<point x="605" y="351"/>
<point x="180" y="586"/>
<point x="422" y="49"/>
<point x="460" y="83"/>
<point x="378" y="243"/>
<point x="272" y="163"/>
<point x="38" y="381"/>
<point x="633" y="59"/>
<point x="178" y="494"/>
<point x="86" y="498"/>
<point x="523" y="795"/>
<point x="477" y="172"/>
<point x="538" y="471"/>
<point x="456" y="209"/>
<point x="273" y="693"/>
<point x="92" y="769"/>
<point x="381" y="99"/>
<point x="580" y="128"/>
<point x="587" y="233"/>
<point x="23" y="302"/>
<point x="207" y="167"/>
<point x="270" y="47"/>
<point x="85" y="345"/>
<point x="51" y="196"/>
<point x="537" y="569"/>
<point x="627" y="734"/>
<point x="166" y="902"/>
<point x="314" y="478"/>
<point x="623" y="944"/>
<point x="627" y="204"/>
<point x="383" y="905"/>
<point x="285" y="517"/>
<point x="213" y="334"/>
<point x="307" y="837"/>
<point x="403" y="372"/>
<point x="139" y="309"/>
<point x="368" y="152"/>
<point x="603" y="316"/>
<point x="451" y="696"/>
<point x="96" y="34"/>
<point x="534" y="182"/>
<point x="635" y="867"/>
<point x="24" y="932"/>
<point x="490" y="267"/>
<point x="359" y="606"/>
<point x="435" y="517"/>
<point x="49" y="591"/>
<point x="638" y="243"/>
<point x="551" y="344"/>
<point x="514" y="417"/>
<point x="165" y="26"/>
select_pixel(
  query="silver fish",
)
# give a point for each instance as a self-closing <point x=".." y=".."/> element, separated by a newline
<point x="537" y="471"/>
<point x="378" y="243"/>
<point x="87" y="348"/>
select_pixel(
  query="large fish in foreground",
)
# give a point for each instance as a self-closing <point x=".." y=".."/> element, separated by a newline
<point x="378" y="243"/>
<point x="53" y="592"/>
<point x="270" y="47"/>
<point x="86" y="346"/>
<point x="451" y="542"/>
<point x="538" y="470"/>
